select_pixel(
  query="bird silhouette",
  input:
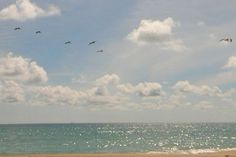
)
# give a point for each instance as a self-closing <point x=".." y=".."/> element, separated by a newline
<point x="93" y="42"/>
<point x="68" y="42"/>
<point x="17" y="28"/>
<point x="226" y="40"/>
<point x="100" y="51"/>
<point x="38" y="32"/>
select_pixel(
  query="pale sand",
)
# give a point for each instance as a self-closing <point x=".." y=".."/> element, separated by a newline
<point x="217" y="154"/>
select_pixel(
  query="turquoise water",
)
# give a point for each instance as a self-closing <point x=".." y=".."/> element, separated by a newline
<point x="98" y="138"/>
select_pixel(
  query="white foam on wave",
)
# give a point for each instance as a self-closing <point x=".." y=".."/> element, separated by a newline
<point x="201" y="151"/>
<point x="193" y="151"/>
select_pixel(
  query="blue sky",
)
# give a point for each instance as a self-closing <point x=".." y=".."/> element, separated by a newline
<point x="162" y="61"/>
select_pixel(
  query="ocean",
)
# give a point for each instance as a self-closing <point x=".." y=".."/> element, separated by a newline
<point x="110" y="138"/>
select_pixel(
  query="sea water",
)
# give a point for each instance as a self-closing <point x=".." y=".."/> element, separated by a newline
<point x="108" y="138"/>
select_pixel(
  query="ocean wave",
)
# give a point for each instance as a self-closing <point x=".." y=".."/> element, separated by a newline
<point x="192" y="151"/>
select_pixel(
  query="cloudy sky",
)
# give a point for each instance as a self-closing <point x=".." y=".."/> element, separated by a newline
<point x="162" y="61"/>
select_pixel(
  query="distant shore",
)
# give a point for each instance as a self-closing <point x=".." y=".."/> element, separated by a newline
<point x="215" y="154"/>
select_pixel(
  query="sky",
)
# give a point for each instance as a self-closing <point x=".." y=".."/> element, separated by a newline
<point x="162" y="61"/>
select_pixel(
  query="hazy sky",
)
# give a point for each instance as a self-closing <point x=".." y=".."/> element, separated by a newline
<point x="162" y="61"/>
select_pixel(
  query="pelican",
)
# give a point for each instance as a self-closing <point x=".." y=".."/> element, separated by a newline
<point x="68" y="42"/>
<point x="100" y="51"/>
<point x="226" y="39"/>
<point x="17" y="28"/>
<point x="93" y="42"/>
<point x="38" y="32"/>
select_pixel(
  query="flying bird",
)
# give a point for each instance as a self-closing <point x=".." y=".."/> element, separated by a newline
<point x="68" y="42"/>
<point x="226" y="39"/>
<point x="93" y="42"/>
<point x="17" y="28"/>
<point x="100" y="51"/>
<point x="38" y="32"/>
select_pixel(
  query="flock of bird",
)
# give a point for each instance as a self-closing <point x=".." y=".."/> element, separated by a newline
<point x="67" y="42"/>
<point x="93" y="42"/>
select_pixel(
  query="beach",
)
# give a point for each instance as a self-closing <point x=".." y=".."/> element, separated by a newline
<point x="215" y="154"/>
<point x="110" y="78"/>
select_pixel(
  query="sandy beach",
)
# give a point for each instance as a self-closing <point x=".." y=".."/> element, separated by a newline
<point x="215" y="154"/>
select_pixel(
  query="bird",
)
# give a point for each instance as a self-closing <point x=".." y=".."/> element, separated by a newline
<point x="68" y="42"/>
<point x="100" y="51"/>
<point x="17" y="28"/>
<point x="226" y="39"/>
<point x="38" y="32"/>
<point x="93" y="42"/>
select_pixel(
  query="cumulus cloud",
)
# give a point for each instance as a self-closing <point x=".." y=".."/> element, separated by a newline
<point x="186" y="87"/>
<point x="157" y="32"/>
<point x="176" y="100"/>
<point x="112" y="102"/>
<point x="231" y="62"/>
<point x="24" y="10"/>
<point x="108" y="79"/>
<point x="114" y="95"/>
<point x="107" y="92"/>
<point x="22" y="69"/>
<point x="147" y="89"/>
<point x="94" y="98"/>
<point x="11" y="92"/>
<point x="56" y="95"/>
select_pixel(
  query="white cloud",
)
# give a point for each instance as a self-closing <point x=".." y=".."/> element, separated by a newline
<point x="227" y="76"/>
<point x="111" y="102"/>
<point x="157" y="32"/>
<point x="175" y="100"/>
<point x="186" y="87"/>
<point x="24" y="10"/>
<point x="106" y="92"/>
<point x="55" y="95"/>
<point x="147" y="89"/>
<point x="231" y="62"/>
<point x="11" y="92"/>
<point x="108" y="79"/>
<point x="94" y="98"/>
<point x="22" y="69"/>
<point x="126" y="88"/>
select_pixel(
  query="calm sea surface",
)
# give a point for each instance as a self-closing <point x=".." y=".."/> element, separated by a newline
<point x="98" y="138"/>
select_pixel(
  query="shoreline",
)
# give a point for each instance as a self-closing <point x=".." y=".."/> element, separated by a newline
<point x="231" y="153"/>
